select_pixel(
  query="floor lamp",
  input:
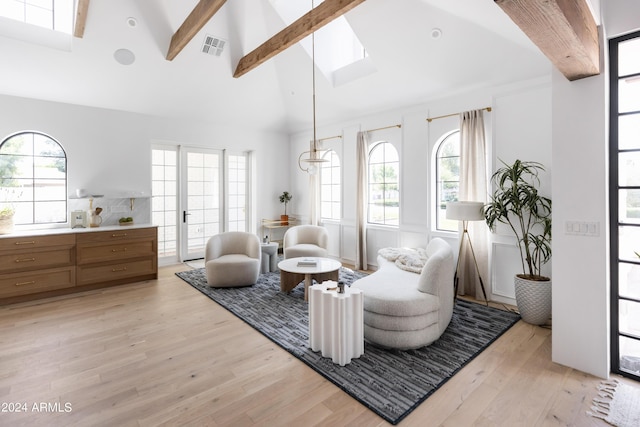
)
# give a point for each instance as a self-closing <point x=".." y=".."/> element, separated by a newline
<point x="465" y="212"/>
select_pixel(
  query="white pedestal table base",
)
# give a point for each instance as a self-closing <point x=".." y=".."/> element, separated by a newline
<point x="335" y="322"/>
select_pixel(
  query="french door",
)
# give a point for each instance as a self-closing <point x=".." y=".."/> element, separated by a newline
<point x="201" y="199"/>
<point x="197" y="193"/>
<point x="624" y="204"/>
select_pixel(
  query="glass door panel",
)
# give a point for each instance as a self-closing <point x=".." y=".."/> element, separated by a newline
<point x="629" y="212"/>
<point x="629" y="280"/>
<point x="630" y="355"/>
<point x="164" y="187"/>
<point x="629" y="131"/>
<point x="237" y="192"/>
<point x="629" y="94"/>
<point x="201" y="200"/>
<point x="629" y="243"/>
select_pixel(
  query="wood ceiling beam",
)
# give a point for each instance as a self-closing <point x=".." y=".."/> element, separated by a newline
<point x="311" y="21"/>
<point x="564" y="30"/>
<point x="199" y="16"/>
<point x="81" y="18"/>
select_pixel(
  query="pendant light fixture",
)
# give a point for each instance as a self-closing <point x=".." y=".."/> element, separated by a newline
<point x="313" y="160"/>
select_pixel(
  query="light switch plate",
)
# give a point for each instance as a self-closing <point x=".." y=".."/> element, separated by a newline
<point x="582" y="228"/>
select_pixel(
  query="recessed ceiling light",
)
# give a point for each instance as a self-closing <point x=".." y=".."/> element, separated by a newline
<point x="436" y="33"/>
<point x="124" y="56"/>
<point x="132" y="22"/>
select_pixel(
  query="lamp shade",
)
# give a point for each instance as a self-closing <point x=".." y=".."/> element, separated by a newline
<point x="465" y="211"/>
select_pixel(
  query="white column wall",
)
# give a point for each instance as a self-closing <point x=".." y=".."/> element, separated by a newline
<point x="580" y="264"/>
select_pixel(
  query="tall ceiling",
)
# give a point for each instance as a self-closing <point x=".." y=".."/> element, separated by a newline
<point x="480" y="46"/>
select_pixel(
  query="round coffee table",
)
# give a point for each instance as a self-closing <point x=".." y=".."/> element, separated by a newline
<point x="293" y="271"/>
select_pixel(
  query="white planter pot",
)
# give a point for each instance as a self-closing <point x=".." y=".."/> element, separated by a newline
<point x="534" y="300"/>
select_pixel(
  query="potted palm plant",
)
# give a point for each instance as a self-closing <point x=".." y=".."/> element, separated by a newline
<point x="517" y="203"/>
<point x="285" y="198"/>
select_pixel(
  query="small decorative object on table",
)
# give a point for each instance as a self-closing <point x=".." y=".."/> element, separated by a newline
<point x="126" y="221"/>
<point x="308" y="262"/>
<point x="285" y="198"/>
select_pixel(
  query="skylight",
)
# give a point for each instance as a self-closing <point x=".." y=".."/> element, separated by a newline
<point x="46" y="23"/>
<point x="338" y="51"/>
<point x="56" y="15"/>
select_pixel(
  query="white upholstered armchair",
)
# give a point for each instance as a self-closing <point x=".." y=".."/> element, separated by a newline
<point x="232" y="259"/>
<point x="305" y="241"/>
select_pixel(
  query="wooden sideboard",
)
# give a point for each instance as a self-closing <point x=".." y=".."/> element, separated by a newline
<point x="43" y="265"/>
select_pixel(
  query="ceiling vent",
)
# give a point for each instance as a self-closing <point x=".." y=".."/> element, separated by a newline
<point x="213" y="45"/>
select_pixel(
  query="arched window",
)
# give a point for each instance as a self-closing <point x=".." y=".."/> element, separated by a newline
<point x="33" y="178"/>
<point x="330" y="186"/>
<point x="447" y="178"/>
<point x="384" y="188"/>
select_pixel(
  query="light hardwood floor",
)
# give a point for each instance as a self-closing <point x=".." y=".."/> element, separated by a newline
<point x="161" y="353"/>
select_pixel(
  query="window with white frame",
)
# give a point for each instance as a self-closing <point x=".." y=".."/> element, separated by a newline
<point x="33" y="179"/>
<point x="330" y="193"/>
<point x="384" y="185"/>
<point x="447" y="169"/>
<point x="237" y="192"/>
<point x="164" y="182"/>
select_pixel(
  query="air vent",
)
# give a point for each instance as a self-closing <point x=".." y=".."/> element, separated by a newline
<point x="213" y="45"/>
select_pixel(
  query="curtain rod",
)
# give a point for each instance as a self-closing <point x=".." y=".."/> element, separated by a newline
<point x="382" y="128"/>
<point x="454" y="114"/>
<point x="330" y="137"/>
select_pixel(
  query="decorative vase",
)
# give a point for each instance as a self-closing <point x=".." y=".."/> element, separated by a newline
<point x="6" y="224"/>
<point x="533" y="298"/>
<point x="284" y="219"/>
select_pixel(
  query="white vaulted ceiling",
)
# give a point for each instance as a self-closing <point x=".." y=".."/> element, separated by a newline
<point x="480" y="46"/>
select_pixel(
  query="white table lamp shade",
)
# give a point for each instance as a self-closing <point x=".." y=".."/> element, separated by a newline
<point x="465" y="211"/>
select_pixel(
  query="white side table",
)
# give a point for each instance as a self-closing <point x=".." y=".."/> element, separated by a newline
<point x="335" y="322"/>
<point x="269" y="260"/>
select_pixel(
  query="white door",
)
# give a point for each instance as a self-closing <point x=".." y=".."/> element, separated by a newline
<point x="201" y="200"/>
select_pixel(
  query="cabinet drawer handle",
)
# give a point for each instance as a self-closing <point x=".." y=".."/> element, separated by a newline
<point x="30" y="242"/>
<point x="119" y="235"/>
<point x="118" y="269"/>
<point x="25" y="283"/>
<point x="119" y="250"/>
<point x="25" y="260"/>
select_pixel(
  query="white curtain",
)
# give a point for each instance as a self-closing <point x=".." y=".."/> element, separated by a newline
<point x="473" y="187"/>
<point x="361" y="200"/>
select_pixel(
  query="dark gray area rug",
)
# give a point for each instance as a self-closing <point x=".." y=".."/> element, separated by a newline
<point x="389" y="382"/>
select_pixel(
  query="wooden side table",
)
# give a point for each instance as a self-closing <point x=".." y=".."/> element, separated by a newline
<point x="335" y="322"/>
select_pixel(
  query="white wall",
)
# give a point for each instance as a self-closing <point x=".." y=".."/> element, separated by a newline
<point x="522" y="130"/>
<point x="110" y="151"/>
<point x="620" y="16"/>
